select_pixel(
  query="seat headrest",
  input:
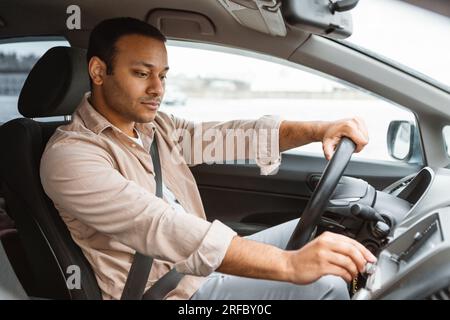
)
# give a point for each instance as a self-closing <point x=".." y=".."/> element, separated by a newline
<point x="56" y="84"/>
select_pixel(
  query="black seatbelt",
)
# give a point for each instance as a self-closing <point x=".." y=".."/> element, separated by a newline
<point x="140" y="268"/>
<point x="163" y="286"/>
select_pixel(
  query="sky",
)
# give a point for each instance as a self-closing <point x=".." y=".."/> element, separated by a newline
<point x="415" y="37"/>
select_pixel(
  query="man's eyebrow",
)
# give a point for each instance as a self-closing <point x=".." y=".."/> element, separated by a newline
<point x="146" y="64"/>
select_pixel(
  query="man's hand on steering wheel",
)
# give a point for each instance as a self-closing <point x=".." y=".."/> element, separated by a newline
<point x="332" y="132"/>
<point x="330" y="253"/>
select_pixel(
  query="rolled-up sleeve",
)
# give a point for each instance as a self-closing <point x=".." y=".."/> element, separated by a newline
<point x="216" y="142"/>
<point x="209" y="255"/>
<point x="90" y="189"/>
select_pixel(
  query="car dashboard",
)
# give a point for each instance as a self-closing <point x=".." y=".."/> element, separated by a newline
<point x="414" y="261"/>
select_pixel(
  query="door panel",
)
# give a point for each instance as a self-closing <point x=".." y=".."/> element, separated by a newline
<point x="238" y="193"/>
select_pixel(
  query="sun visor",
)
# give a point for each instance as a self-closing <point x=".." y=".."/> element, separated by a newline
<point x="263" y="16"/>
<point x="179" y="23"/>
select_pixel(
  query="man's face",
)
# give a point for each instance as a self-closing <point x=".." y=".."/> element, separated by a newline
<point x="135" y="88"/>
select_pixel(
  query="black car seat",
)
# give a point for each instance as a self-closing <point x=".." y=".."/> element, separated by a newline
<point x="10" y="287"/>
<point x="54" y="87"/>
<point x="9" y="239"/>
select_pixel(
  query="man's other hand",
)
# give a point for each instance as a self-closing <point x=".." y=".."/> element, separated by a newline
<point x="330" y="253"/>
<point x="353" y="128"/>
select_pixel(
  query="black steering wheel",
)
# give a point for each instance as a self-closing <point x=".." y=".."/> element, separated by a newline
<point x="305" y="229"/>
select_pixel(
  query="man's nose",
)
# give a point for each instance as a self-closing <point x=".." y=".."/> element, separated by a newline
<point x="155" y="86"/>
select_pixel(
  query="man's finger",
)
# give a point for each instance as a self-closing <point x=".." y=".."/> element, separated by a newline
<point x="362" y="126"/>
<point x="345" y="262"/>
<point x="363" y="250"/>
<point x="338" y="271"/>
<point x="358" y="133"/>
<point x="359" y="140"/>
<point x="329" y="145"/>
<point x="352" y="252"/>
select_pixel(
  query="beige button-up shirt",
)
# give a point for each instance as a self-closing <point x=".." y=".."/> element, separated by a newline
<point x="102" y="183"/>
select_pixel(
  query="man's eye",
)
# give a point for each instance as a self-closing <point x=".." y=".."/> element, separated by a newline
<point x="163" y="77"/>
<point x="141" y="74"/>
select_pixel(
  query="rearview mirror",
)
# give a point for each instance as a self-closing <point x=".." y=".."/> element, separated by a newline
<point x="403" y="141"/>
<point x="323" y="17"/>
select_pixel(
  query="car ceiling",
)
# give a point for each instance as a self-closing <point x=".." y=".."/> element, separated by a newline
<point x="48" y="17"/>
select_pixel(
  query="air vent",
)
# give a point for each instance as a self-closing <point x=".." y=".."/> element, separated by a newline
<point x="401" y="185"/>
<point x="443" y="294"/>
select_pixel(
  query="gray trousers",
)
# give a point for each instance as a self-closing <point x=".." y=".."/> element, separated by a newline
<point x="219" y="286"/>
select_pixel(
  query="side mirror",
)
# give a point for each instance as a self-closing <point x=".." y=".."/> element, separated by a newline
<point x="324" y="17"/>
<point x="403" y="141"/>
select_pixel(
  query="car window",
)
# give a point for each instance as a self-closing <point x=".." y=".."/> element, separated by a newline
<point x="16" y="61"/>
<point x="218" y="85"/>
<point x="446" y="133"/>
<point x="422" y="48"/>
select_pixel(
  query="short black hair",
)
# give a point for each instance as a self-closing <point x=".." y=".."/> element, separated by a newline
<point x="105" y="35"/>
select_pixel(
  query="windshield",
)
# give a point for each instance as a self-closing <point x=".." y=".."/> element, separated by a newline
<point x="409" y="35"/>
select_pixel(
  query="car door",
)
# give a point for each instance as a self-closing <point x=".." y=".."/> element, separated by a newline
<point x="242" y="87"/>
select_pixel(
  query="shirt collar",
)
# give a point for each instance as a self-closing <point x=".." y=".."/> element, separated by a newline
<point x="95" y="122"/>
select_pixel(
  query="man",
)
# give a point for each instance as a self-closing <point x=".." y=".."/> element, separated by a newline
<point x="105" y="191"/>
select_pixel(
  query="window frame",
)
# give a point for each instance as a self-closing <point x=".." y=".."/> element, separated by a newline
<point x="446" y="142"/>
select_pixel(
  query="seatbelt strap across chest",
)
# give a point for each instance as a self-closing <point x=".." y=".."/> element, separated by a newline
<point x="140" y="268"/>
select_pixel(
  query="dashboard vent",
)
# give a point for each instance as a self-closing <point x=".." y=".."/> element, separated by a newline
<point x="443" y="294"/>
<point x="401" y="185"/>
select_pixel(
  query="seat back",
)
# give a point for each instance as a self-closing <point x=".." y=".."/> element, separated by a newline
<point x="10" y="288"/>
<point x="54" y="87"/>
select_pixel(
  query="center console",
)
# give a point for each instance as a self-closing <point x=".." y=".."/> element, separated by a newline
<point x="414" y="265"/>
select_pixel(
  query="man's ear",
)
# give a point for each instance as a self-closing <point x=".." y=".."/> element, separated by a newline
<point x="97" y="70"/>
